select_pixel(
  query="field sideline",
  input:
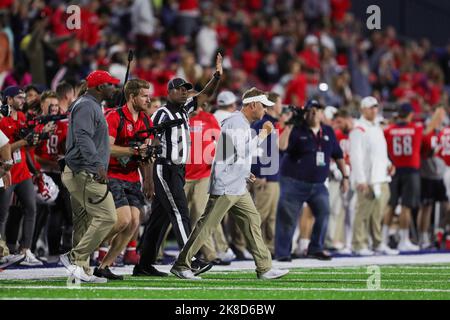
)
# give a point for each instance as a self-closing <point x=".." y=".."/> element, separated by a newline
<point x="405" y="277"/>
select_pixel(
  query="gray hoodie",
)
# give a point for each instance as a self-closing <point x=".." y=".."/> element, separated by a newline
<point x="87" y="145"/>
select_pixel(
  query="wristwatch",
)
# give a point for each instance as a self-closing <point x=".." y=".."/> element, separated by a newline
<point x="345" y="177"/>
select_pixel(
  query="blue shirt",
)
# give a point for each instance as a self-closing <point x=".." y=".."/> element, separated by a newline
<point x="268" y="156"/>
<point x="300" y="160"/>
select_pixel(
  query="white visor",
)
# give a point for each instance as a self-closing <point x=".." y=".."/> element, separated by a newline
<point x="262" y="98"/>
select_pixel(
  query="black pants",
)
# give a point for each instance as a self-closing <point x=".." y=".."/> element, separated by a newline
<point x="58" y="218"/>
<point x="169" y="206"/>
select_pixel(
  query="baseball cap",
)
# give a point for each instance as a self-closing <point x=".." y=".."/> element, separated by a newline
<point x="99" y="77"/>
<point x="12" y="91"/>
<point x="368" y="102"/>
<point x="311" y="40"/>
<point x="406" y="108"/>
<point x="329" y="112"/>
<point x="225" y="98"/>
<point x="313" y="104"/>
<point x="177" y="83"/>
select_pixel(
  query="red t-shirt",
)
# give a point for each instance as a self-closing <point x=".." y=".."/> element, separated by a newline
<point x="296" y="87"/>
<point x="344" y="143"/>
<point x="115" y="169"/>
<point x="204" y="131"/>
<point x="55" y="145"/>
<point x="11" y="127"/>
<point x="404" y="142"/>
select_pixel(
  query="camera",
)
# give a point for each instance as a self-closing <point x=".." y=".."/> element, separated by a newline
<point x="5" y="110"/>
<point x="299" y="113"/>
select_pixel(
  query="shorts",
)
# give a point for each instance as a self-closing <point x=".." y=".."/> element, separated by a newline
<point x="126" y="193"/>
<point x="407" y="187"/>
<point x="433" y="191"/>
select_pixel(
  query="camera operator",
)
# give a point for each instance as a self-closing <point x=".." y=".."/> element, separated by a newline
<point x="305" y="166"/>
<point x="11" y="124"/>
<point x="123" y="170"/>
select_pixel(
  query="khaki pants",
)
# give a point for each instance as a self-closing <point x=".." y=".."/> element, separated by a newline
<point x="4" y="250"/>
<point x="249" y="221"/>
<point x="368" y="218"/>
<point x="335" y="221"/>
<point x="197" y="197"/>
<point x="91" y="222"/>
<point x="266" y="202"/>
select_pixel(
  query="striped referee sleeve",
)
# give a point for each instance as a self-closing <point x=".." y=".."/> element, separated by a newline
<point x="190" y="105"/>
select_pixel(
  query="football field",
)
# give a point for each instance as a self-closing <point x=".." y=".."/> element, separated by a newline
<point x="422" y="277"/>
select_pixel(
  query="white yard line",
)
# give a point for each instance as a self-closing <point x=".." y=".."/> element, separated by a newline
<point x="424" y="259"/>
<point x="222" y="289"/>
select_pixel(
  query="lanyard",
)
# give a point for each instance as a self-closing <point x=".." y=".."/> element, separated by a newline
<point x="318" y="139"/>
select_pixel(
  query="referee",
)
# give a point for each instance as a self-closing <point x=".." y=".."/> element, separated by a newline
<point x="170" y="203"/>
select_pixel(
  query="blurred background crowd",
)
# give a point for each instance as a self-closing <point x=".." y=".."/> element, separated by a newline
<point x="297" y="49"/>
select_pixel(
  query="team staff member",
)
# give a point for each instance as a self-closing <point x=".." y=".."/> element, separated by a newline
<point x="170" y="204"/>
<point x="304" y="168"/>
<point x="85" y="175"/>
<point x="21" y="182"/>
<point x="228" y="189"/>
<point x="123" y="170"/>
<point x="266" y="189"/>
<point x="371" y="172"/>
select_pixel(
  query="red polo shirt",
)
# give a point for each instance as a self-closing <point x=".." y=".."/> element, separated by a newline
<point x="204" y="131"/>
<point x="11" y="127"/>
<point x="130" y="127"/>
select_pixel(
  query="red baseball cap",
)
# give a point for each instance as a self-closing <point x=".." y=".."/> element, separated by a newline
<point x="99" y="77"/>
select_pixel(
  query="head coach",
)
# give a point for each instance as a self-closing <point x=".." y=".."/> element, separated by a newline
<point x="85" y="175"/>
<point x="170" y="203"/>
<point x="305" y="166"/>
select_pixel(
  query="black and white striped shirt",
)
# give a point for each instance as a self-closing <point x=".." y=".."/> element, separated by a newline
<point x="176" y="142"/>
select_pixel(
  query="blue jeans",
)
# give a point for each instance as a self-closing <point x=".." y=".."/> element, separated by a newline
<point x="293" y="194"/>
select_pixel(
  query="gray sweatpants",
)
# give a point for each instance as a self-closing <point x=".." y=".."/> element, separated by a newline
<point x="27" y="197"/>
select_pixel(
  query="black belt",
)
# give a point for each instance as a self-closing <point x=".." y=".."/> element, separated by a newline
<point x="167" y="162"/>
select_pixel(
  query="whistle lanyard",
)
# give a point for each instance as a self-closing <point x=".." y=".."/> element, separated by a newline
<point x="318" y="139"/>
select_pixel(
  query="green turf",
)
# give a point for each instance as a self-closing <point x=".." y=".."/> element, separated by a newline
<point x="397" y="282"/>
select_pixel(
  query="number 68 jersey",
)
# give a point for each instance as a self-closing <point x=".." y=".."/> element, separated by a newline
<point x="404" y="142"/>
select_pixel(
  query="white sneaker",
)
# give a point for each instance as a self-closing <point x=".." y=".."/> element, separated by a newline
<point x="227" y="256"/>
<point x="8" y="260"/>
<point x="426" y="245"/>
<point x="345" y="251"/>
<point x="184" y="274"/>
<point x="30" y="260"/>
<point x="386" y="250"/>
<point x="273" y="274"/>
<point x="65" y="260"/>
<point x="247" y="255"/>
<point x="364" y="252"/>
<point x="80" y="274"/>
<point x="407" y="246"/>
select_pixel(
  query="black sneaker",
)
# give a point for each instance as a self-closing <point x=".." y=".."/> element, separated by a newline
<point x="198" y="266"/>
<point x="321" y="255"/>
<point x="220" y="262"/>
<point x="106" y="273"/>
<point x="148" y="272"/>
